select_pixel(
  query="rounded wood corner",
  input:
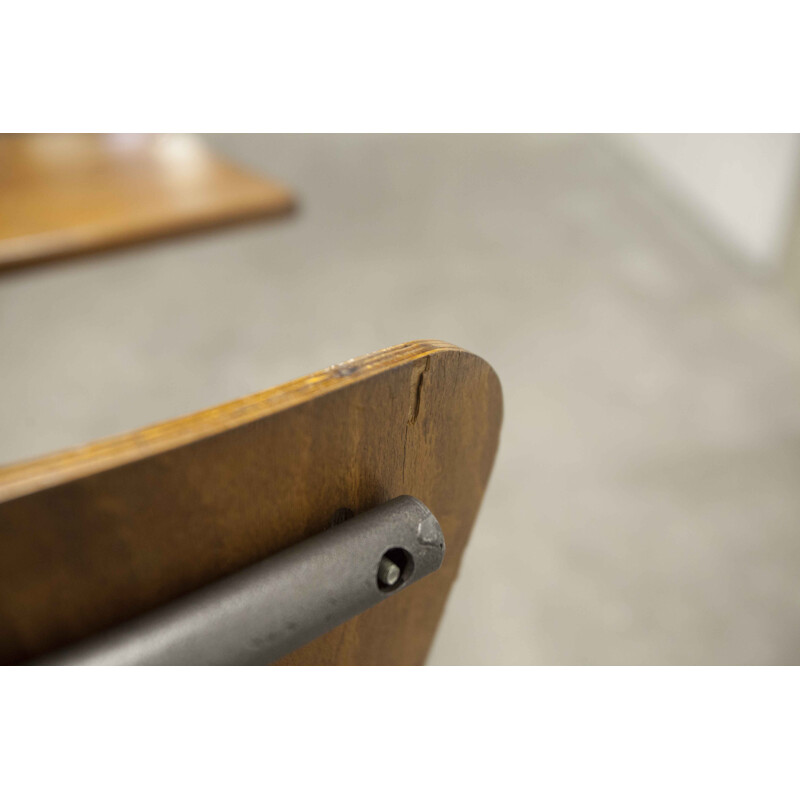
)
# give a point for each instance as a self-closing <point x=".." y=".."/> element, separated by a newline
<point x="94" y="536"/>
<point x="31" y="475"/>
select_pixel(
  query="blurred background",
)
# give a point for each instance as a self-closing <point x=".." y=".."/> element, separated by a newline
<point x="638" y="295"/>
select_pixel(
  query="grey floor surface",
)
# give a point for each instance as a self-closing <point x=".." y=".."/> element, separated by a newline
<point x="644" y="506"/>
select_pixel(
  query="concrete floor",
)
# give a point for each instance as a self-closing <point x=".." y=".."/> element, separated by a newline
<point x="644" y="506"/>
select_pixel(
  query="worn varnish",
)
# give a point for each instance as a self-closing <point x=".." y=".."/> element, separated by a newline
<point x="62" y="194"/>
<point x="94" y="536"/>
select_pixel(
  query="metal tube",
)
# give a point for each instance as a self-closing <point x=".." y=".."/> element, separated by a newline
<point x="267" y="610"/>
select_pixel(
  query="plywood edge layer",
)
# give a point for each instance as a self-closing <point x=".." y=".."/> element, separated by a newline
<point x="17" y="480"/>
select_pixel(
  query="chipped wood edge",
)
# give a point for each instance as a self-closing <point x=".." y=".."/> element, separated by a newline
<point x="26" y="477"/>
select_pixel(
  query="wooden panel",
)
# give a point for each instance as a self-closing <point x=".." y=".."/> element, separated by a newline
<point x="94" y="536"/>
<point x="62" y="194"/>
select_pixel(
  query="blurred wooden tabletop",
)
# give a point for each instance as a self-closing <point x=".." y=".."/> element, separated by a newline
<point x="62" y="194"/>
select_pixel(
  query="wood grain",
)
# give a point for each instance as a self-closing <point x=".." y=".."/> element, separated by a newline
<point x="63" y="194"/>
<point x="94" y="536"/>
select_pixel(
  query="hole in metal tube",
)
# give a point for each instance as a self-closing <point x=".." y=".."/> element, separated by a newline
<point x="394" y="569"/>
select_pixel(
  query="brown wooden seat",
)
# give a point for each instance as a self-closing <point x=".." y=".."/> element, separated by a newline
<point x="92" y="537"/>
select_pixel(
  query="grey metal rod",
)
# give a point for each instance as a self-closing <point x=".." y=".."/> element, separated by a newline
<point x="267" y="610"/>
